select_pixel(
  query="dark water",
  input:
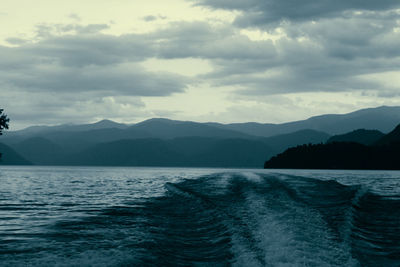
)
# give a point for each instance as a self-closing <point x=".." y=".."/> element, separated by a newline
<point x="198" y="217"/>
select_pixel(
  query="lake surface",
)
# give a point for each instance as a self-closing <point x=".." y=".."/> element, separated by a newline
<point x="90" y="216"/>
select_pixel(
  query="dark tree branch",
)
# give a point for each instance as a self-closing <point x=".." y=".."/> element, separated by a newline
<point x="3" y="121"/>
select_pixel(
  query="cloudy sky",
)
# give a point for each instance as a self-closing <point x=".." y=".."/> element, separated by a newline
<point x="202" y="60"/>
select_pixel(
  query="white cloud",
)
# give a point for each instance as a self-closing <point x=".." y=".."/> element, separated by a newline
<point x="214" y="60"/>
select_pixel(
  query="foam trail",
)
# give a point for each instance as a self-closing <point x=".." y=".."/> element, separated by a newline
<point x="223" y="219"/>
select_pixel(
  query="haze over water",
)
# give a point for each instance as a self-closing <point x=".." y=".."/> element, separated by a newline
<point x="180" y="216"/>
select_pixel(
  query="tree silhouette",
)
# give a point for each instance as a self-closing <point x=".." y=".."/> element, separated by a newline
<point x="3" y="123"/>
<point x="382" y="155"/>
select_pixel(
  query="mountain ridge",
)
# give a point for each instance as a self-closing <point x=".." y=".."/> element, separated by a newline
<point x="55" y="144"/>
<point x="10" y="157"/>
<point x="362" y="136"/>
<point x="382" y="118"/>
<point x="380" y="155"/>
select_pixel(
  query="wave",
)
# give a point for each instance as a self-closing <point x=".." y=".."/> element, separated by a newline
<point x="270" y="220"/>
<point x="232" y="219"/>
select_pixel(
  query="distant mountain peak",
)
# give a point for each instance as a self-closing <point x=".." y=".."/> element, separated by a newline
<point x="362" y="136"/>
<point x="106" y="122"/>
<point x="392" y="137"/>
<point x="397" y="129"/>
<point x="158" y="120"/>
<point x="161" y="120"/>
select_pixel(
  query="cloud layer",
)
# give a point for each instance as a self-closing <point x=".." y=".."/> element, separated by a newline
<point x="265" y="12"/>
<point x="272" y="47"/>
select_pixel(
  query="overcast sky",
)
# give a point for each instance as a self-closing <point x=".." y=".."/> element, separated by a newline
<point x="202" y="60"/>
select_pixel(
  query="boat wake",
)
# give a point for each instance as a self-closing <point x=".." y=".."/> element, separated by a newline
<point x="263" y="220"/>
<point x="228" y="219"/>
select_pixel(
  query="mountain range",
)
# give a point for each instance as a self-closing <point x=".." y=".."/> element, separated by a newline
<point x="164" y="142"/>
<point x="362" y="136"/>
<point x="343" y="152"/>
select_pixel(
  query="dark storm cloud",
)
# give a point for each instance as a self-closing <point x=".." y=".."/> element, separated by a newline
<point x="202" y="40"/>
<point x="93" y="49"/>
<point x="326" y="46"/>
<point x="261" y="12"/>
<point x="331" y="55"/>
<point x="363" y="35"/>
<point x="80" y="45"/>
<point x="83" y="62"/>
<point x="110" y="80"/>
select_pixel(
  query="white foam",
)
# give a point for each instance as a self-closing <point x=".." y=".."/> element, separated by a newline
<point x="252" y="177"/>
<point x="284" y="233"/>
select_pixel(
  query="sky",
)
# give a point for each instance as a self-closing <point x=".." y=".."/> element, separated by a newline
<point x="267" y="61"/>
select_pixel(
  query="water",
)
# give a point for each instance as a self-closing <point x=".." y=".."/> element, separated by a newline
<point x="75" y="216"/>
